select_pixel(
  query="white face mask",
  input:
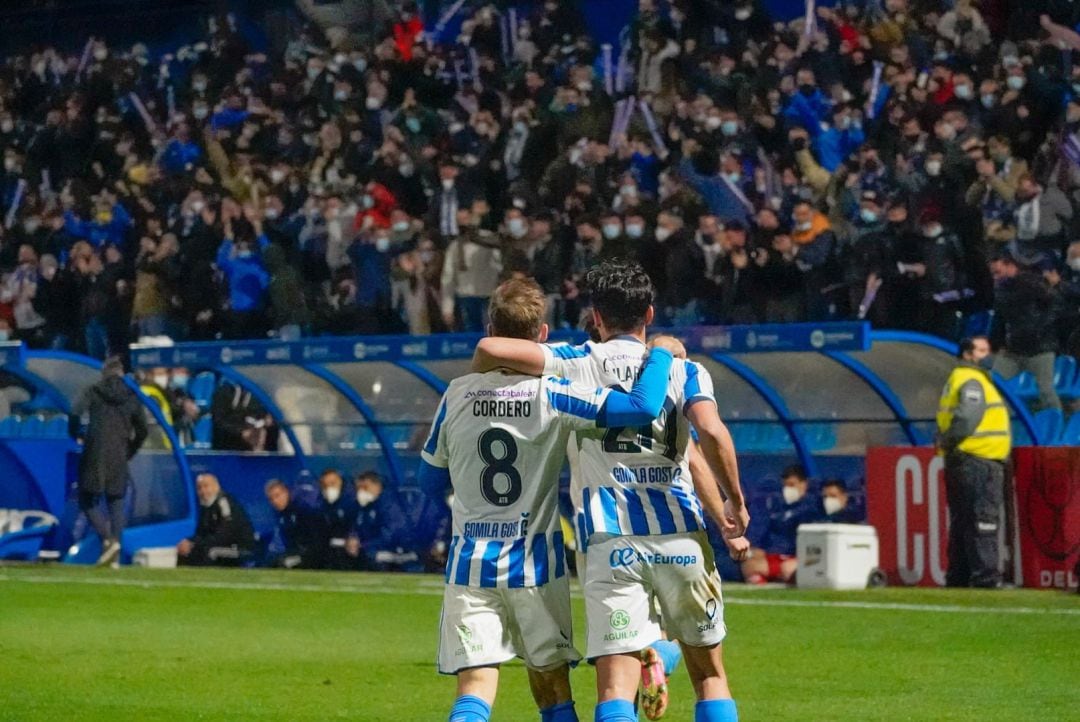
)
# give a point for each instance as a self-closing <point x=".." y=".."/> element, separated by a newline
<point x="447" y="183"/>
<point x="7" y="126"/>
<point x="271" y="214"/>
<point x="372" y="103"/>
<point x="161" y="380"/>
<point x="713" y="122"/>
<point x="662" y="234"/>
<point x="963" y="91"/>
<point x="832" y="505"/>
<point x="199" y="86"/>
<point x="340" y="95"/>
<point x="933" y="168"/>
<point x="635" y="230"/>
<point x="277" y="175"/>
<point x="367" y="201"/>
<point x="1015" y="82"/>
<point x="988" y="100"/>
<point x="791" y="495"/>
<point x="364" y="497"/>
<point x="198" y="206"/>
<point x="200" y="112"/>
<point x="382" y="244"/>
<point x="612" y="230"/>
<point x="332" y="494"/>
<point x="400" y="226"/>
<point x="516" y="227"/>
<point x="743" y="13"/>
<point x="1074" y="263"/>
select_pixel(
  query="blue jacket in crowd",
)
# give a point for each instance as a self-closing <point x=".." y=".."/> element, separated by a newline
<point x="247" y="277"/>
<point x="179" y="155"/>
<point x="113" y="232"/>
<point x="717" y="194"/>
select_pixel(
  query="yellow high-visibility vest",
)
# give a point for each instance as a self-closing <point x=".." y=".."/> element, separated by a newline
<point x="992" y="438"/>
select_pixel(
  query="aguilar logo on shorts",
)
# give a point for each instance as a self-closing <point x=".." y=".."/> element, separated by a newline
<point x="619" y="621"/>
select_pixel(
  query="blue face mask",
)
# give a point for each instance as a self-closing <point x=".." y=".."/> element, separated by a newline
<point x="868" y="215"/>
<point x="244" y="254"/>
<point x="178" y="381"/>
<point x="413" y="124"/>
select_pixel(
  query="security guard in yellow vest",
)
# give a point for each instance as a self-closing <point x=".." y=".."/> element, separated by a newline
<point x="974" y="436"/>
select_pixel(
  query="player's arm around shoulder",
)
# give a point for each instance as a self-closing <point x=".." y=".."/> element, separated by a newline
<point x="492" y="352"/>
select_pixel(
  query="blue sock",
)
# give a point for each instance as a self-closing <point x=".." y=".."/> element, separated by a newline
<point x="468" y="708"/>
<point x="670" y="654"/>
<point x="716" y="710"/>
<point x="616" y="710"/>
<point x="563" y="712"/>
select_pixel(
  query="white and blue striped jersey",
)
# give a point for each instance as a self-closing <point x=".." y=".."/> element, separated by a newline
<point x="632" y="481"/>
<point x="503" y="438"/>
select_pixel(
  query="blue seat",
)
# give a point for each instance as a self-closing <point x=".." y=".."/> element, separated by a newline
<point x="202" y="388"/>
<point x="819" y="437"/>
<point x="1071" y="435"/>
<point x="56" y="427"/>
<point x="202" y="433"/>
<point x="978" y="324"/>
<point x="1066" y="377"/>
<point x="1024" y="386"/>
<point x="1049" y="424"/>
<point x="9" y="426"/>
<point x="33" y="427"/>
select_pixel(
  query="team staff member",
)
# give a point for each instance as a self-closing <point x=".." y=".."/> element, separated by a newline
<point x="974" y="437"/>
<point x="302" y="530"/>
<point x="224" y="536"/>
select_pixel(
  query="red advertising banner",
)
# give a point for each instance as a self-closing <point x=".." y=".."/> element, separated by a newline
<point x="905" y="498"/>
<point x="1048" y="513"/>
<point x="905" y="501"/>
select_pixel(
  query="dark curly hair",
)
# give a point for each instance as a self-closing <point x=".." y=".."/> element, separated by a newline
<point x="621" y="293"/>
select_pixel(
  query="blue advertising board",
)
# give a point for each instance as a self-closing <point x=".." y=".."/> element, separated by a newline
<point x="321" y="350"/>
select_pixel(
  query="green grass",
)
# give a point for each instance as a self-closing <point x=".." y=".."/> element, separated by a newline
<point x="84" y="644"/>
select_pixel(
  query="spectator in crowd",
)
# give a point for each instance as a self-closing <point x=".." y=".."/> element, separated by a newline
<point x="1024" y="326"/>
<point x="223" y="535"/>
<point x="301" y="530"/>
<point x="339" y="510"/>
<point x="975" y="438"/>
<point x="241" y="422"/>
<point x="470" y="273"/>
<point x="383" y="538"/>
<point x="837" y="505"/>
<point x="116" y="430"/>
<point x="772" y="555"/>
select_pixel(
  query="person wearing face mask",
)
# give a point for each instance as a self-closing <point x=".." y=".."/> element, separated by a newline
<point x="240" y="261"/>
<point x="451" y="196"/>
<point x="1042" y="219"/>
<point x="837" y="503"/>
<point x="974" y="436"/>
<point x="816" y="258"/>
<point x="943" y="272"/>
<point x="377" y="204"/>
<point x="772" y="552"/>
<point x="287" y="302"/>
<point x="339" y="509"/>
<point x="1025" y="312"/>
<point x="372" y="256"/>
<point x="301" y="529"/>
<point x="384" y="537"/>
<point x="994" y="188"/>
<point x="864" y="257"/>
<point x="223" y="535"/>
<point x="474" y="261"/>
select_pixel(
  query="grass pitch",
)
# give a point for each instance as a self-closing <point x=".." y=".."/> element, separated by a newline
<point x="85" y="644"/>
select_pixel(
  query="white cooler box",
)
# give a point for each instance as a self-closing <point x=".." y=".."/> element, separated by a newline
<point x="155" y="557"/>
<point x="837" y="556"/>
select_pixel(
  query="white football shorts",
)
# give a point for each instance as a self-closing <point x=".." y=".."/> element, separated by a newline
<point x="626" y="574"/>
<point x="487" y="626"/>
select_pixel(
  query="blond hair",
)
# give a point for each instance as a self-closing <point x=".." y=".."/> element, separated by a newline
<point x="518" y="308"/>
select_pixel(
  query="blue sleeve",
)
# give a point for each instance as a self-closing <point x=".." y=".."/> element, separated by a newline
<point x="433" y="480"/>
<point x="224" y="260"/>
<point x="121" y="219"/>
<point x="263" y="241"/>
<point x="645" y="400"/>
<point x="76" y="226"/>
